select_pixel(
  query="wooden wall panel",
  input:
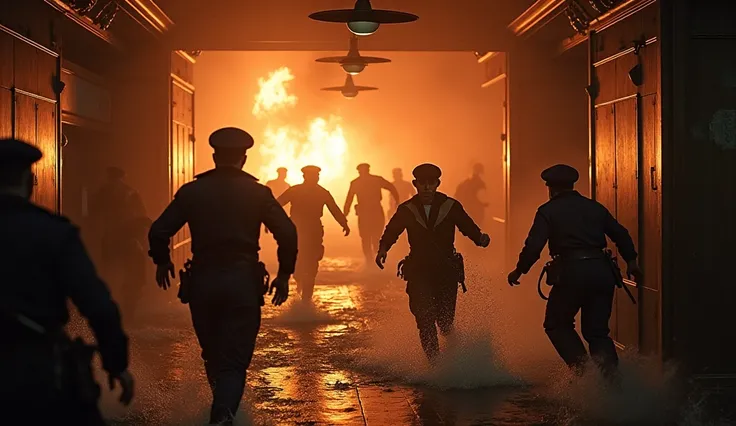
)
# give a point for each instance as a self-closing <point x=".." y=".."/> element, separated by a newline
<point x="606" y="76"/>
<point x="182" y="67"/>
<point x="605" y="166"/>
<point x="651" y="236"/>
<point x="26" y="65"/>
<point x="47" y="168"/>
<point x="624" y="85"/>
<point x="649" y="57"/>
<point x="621" y="36"/>
<point x="35" y="123"/>
<point x="25" y="118"/>
<point x="47" y="73"/>
<point x="605" y="158"/>
<point x="627" y="188"/>
<point x="6" y="113"/>
<point x="182" y="157"/>
<point x="6" y="60"/>
<point x="613" y="57"/>
<point x="627" y="208"/>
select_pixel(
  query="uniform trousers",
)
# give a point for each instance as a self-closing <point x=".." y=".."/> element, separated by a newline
<point x="586" y="286"/>
<point x="225" y="305"/>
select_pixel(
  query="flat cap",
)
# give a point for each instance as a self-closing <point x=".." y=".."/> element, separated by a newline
<point x="18" y="153"/>
<point x="231" y="137"/>
<point x="426" y="171"/>
<point x="281" y="169"/>
<point x="363" y="166"/>
<point x="311" y="169"/>
<point x="560" y="175"/>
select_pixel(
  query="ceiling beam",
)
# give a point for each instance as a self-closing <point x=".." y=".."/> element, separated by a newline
<point x="83" y="21"/>
<point x="463" y="25"/>
<point x="536" y="16"/>
<point x="606" y="20"/>
<point x="148" y="15"/>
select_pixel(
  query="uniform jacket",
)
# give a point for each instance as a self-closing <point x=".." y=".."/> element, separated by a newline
<point x="570" y="221"/>
<point x="434" y="236"/>
<point x="224" y="208"/>
<point x="43" y="263"/>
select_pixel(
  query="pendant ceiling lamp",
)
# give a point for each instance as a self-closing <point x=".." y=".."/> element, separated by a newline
<point x="353" y="63"/>
<point x="363" y="20"/>
<point x="349" y="89"/>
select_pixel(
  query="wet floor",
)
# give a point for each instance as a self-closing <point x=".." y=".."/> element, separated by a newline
<point x="354" y="358"/>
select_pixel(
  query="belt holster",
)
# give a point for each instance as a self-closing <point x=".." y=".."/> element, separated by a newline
<point x="264" y="279"/>
<point x="185" y="282"/>
<point x="552" y="270"/>
<point x="403" y="268"/>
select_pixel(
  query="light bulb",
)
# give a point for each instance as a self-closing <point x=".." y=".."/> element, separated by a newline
<point x="354" y="68"/>
<point x="350" y="95"/>
<point x="363" y="28"/>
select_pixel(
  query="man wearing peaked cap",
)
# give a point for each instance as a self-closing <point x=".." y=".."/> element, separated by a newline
<point x="311" y="170"/>
<point x="403" y="187"/>
<point x="231" y="137"/>
<point x="225" y="208"/>
<point x="371" y="217"/>
<point x="44" y="251"/>
<point x="582" y="273"/>
<point x="308" y="200"/>
<point x="560" y="176"/>
<point x="426" y="172"/>
<point x="279" y="185"/>
<point x="17" y="153"/>
<point x="433" y="268"/>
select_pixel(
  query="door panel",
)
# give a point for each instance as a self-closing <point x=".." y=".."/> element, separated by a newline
<point x="26" y="66"/>
<point x="182" y="158"/>
<point x="605" y="157"/>
<point x="605" y="170"/>
<point x="46" y="169"/>
<point x="627" y="209"/>
<point x="35" y="123"/>
<point x="651" y="243"/>
<point x="6" y="60"/>
<point x="6" y="112"/>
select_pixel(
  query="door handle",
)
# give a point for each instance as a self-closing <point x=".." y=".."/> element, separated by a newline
<point x="653" y="178"/>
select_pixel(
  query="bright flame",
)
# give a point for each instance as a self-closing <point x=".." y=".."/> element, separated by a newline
<point x="322" y="144"/>
<point x="272" y="95"/>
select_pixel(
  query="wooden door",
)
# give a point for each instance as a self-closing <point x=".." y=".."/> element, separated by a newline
<point x="182" y="157"/>
<point x="6" y="113"/>
<point x="617" y="188"/>
<point x="650" y="248"/>
<point x="605" y="170"/>
<point x="505" y="164"/>
<point x="35" y="123"/>
<point x="626" y="116"/>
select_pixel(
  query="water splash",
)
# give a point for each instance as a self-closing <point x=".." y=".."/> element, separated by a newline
<point x="302" y="312"/>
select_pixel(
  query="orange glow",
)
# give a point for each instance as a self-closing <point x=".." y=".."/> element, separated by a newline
<point x="322" y="143"/>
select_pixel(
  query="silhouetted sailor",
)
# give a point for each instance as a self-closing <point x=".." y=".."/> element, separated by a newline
<point x="403" y="187"/>
<point x="468" y="193"/>
<point x="225" y="208"/>
<point x="308" y="201"/>
<point x="433" y="269"/>
<point x="47" y="378"/>
<point x="279" y="185"/>
<point x="371" y="217"/>
<point x="120" y="218"/>
<point x="582" y="274"/>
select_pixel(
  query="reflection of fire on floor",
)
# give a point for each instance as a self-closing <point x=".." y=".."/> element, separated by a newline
<point x="353" y="357"/>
